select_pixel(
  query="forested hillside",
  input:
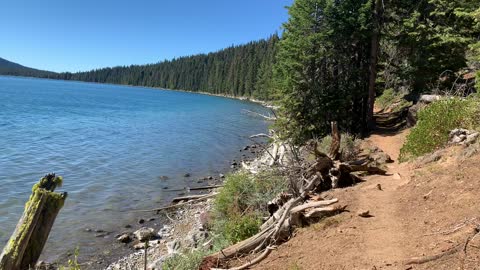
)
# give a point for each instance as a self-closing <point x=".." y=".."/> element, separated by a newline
<point x="14" y="69"/>
<point x="243" y="70"/>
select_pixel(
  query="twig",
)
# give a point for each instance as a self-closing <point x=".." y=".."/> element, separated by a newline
<point x="455" y="228"/>
<point x="422" y="260"/>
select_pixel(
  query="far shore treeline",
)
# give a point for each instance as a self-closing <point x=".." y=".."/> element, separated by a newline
<point x="243" y="70"/>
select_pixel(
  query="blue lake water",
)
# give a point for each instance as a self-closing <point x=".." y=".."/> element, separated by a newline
<point x="111" y="144"/>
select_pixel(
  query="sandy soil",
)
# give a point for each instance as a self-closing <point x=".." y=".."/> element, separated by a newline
<point x="421" y="210"/>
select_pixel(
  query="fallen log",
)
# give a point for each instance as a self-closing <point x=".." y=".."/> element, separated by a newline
<point x="313" y="205"/>
<point x="176" y="205"/>
<point x="188" y="198"/>
<point x="27" y="241"/>
<point x="195" y="188"/>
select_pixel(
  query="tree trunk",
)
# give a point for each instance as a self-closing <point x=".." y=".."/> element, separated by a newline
<point x="26" y="243"/>
<point x="374" y="50"/>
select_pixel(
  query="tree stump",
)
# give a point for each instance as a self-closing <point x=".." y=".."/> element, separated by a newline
<point x="27" y="241"/>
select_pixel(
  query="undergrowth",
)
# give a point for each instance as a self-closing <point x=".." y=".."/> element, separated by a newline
<point x="237" y="214"/>
<point x="241" y="204"/>
<point x="349" y="146"/>
<point x="435" y="123"/>
<point x="392" y="100"/>
<point x="186" y="261"/>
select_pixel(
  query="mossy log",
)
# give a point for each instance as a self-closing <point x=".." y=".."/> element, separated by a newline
<point x="27" y="241"/>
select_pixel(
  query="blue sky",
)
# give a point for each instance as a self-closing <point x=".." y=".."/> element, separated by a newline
<point x="78" y="35"/>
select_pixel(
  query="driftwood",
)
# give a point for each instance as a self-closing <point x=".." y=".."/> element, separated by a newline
<point x="195" y="188"/>
<point x="26" y="243"/>
<point x="266" y="117"/>
<point x="325" y="173"/>
<point x="176" y="205"/>
<point x="188" y="198"/>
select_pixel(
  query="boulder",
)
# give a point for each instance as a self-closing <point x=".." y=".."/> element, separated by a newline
<point x="427" y="99"/>
<point x="144" y="234"/>
<point x="125" y="238"/>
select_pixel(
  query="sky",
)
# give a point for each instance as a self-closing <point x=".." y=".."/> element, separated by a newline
<point x="80" y="35"/>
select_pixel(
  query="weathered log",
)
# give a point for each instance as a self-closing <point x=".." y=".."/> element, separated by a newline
<point x="334" y="152"/>
<point x="324" y="211"/>
<point x="194" y="188"/>
<point x="176" y="205"/>
<point x="188" y="198"/>
<point x="347" y="168"/>
<point x="313" y="205"/>
<point x="26" y="243"/>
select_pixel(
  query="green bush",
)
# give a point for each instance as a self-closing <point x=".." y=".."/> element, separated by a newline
<point x="389" y="98"/>
<point x="242" y="202"/>
<point x="435" y="123"/>
<point x="349" y="146"/>
<point x="187" y="261"/>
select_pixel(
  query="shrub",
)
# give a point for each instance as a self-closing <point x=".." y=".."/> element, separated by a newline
<point x="435" y="123"/>
<point x="392" y="100"/>
<point x="242" y="202"/>
<point x="187" y="261"/>
<point x="349" y="146"/>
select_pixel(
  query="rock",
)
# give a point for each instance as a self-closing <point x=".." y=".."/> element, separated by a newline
<point x="246" y="148"/>
<point x="125" y="238"/>
<point x="151" y="219"/>
<point x="200" y="181"/>
<point x="42" y="265"/>
<point x="88" y="230"/>
<point x="141" y="221"/>
<point x="427" y="99"/>
<point x="471" y="138"/>
<point x="221" y="175"/>
<point x="234" y="163"/>
<point x="139" y="246"/>
<point x="128" y="226"/>
<point x="397" y="176"/>
<point x="364" y="213"/>
<point x="413" y="112"/>
<point x="462" y="136"/>
<point x="378" y="157"/>
<point x="379" y="187"/>
<point x="210" y="177"/>
<point x="186" y="175"/>
<point x="173" y="247"/>
<point x="163" y="177"/>
<point x="144" y="234"/>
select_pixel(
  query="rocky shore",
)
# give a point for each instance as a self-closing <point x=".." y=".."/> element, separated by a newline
<point x="167" y="232"/>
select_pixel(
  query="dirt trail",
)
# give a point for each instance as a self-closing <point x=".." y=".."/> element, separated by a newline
<point x="349" y="241"/>
<point x="423" y="209"/>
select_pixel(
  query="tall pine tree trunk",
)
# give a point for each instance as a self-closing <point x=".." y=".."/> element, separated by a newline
<point x="374" y="51"/>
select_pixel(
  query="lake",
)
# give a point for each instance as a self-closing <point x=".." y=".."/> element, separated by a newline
<point x="112" y="144"/>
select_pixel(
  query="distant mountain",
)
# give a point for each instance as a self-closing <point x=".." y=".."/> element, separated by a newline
<point x="14" y="69"/>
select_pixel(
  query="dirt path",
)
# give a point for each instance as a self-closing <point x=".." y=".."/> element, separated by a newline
<point x="349" y="241"/>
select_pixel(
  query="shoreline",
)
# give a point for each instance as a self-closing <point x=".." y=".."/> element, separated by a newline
<point x="266" y="104"/>
<point x="114" y="251"/>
